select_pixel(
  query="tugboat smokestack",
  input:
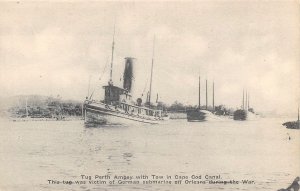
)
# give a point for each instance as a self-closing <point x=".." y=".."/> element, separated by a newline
<point x="128" y="75"/>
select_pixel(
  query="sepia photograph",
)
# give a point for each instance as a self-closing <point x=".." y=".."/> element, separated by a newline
<point x="150" y="95"/>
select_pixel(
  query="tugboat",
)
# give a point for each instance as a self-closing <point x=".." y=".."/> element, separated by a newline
<point x="118" y="106"/>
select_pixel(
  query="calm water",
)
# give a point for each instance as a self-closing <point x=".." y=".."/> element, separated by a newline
<point x="33" y="152"/>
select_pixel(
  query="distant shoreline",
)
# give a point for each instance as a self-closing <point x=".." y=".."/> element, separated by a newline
<point x="24" y="119"/>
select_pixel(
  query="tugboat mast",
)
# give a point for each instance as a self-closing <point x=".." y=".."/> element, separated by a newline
<point x="151" y="71"/>
<point x="112" y="58"/>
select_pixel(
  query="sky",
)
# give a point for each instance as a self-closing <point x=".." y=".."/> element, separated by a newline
<point x="60" y="48"/>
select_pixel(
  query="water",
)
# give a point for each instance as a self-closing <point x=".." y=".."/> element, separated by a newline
<point x="36" y="151"/>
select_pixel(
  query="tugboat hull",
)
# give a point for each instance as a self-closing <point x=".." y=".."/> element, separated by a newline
<point x="106" y="114"/>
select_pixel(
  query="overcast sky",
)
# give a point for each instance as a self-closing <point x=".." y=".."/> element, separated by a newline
<point x="54" y="48"/>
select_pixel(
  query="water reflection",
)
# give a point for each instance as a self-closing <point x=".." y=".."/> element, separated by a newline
<point x="97" y="125"/>
<point x="68" y="149"/>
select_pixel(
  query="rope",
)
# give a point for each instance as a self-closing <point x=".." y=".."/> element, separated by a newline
<point x="100" y="77"/>
<point x="145" y="87"/>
